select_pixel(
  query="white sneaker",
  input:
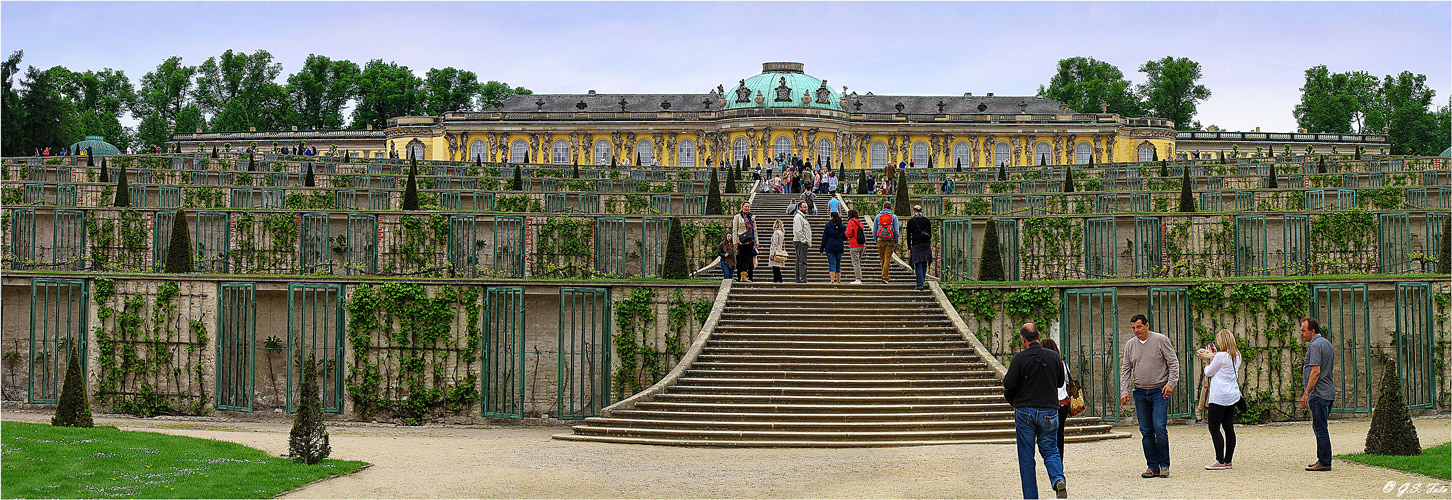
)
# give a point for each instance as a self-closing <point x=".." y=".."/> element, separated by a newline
<point x="857" y="282"/>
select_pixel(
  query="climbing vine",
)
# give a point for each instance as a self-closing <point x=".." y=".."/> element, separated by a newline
<point x="150" y="353"/>
<point x="414" y="350"/>
<point x="644" y="351"/>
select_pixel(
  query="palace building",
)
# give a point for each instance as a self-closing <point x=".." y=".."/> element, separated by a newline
<point x="785" y="110"/>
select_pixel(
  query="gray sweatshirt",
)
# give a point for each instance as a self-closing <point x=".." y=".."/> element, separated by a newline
<point x="1148" y="365"/>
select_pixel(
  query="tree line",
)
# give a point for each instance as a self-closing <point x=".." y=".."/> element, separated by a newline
<point x="235" y="91"/>
<point x="1399" y="106"/>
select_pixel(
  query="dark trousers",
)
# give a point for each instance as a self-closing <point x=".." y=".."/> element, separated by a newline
<point x="801" y="261"/>
<point x="1320" y="411"/>
<point x="776" y="274"/>
<point x="1063" y="418"/>
<point x="1222" y="417"/>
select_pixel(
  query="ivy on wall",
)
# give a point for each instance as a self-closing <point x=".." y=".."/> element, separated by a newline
<point x="644" y="352"/>
<point x="151" y="356"/>
<point x="563" y="248"/>
<point x="414" y="350"/>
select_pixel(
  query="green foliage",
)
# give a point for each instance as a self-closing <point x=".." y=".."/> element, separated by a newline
<point x="517" y="183"/>
<point x="308" y="441"/>
<point x="179" y="250"/>
<point x="1435" y="461"/>
<point x="1087" y="85"/>
<point x="123" y="193"/>
<point x="1387" y="198"/>
<point x="713" y="195"/>
<point x="674" y="267"/>
<point x="1187" y="199"/>
<point x="1033" y="304"/>
<point x="419" y="338"/>
<point x="1068" y="178"/>
<point x="1444" y="254"/>
<point x="562" y="249"/>
<point x="991" y="267"/>
<point x="731" y="175"/>
<point x="308" y="179"/>
<point x="410" y="190"/>
<point x="633" y="318"/>
<point x="74" y="409"/>
<point x="1171" y="89"/>
<point x="1391" y="432"/>
<point x="902" y="206"/>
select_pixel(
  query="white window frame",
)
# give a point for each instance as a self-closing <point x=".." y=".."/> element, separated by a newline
<point x="878" y="158"/>
<point x="1146" y="153"/>
<point x="479" y="149"/>
<point x="824" y="149"/>
<point x="686" y="153"/>
<point x="518" y="150"/>
<point x="561" y="152"/>
<point x="1082" y="152"/>
<point x="961" y="154"/>
<point x="1043" y="153"/>
<point x="418" y="151"/>
<point x="645" y="150"/>
<point x="920" y="154"/>
<point x="781" y="146"/>
<point x="738" y="149"/>
<point x="1002" y="154"/>
<point x="602" y="152"/>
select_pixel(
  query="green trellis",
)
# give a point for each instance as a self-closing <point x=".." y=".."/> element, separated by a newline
<point x="236" y="345"/>
<point x="585" y="345"/>
<point x="503" y="374"/>
<point x="59" y="314"/>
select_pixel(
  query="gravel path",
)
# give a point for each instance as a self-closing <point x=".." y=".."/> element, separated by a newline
<point x="523" y="462"/>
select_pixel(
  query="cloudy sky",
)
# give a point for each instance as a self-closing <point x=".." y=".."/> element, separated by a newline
<point x="1253" y="54"/>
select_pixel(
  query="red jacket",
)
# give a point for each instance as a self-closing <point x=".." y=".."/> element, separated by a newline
<point x="854" y="228"/>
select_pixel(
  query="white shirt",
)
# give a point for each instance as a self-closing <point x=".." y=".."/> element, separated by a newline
<point x="1064" y="389"/>
<point x="1224" y="390"/>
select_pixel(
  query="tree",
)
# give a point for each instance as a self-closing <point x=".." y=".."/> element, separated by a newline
<point x="214" y="152"/>
<point x="90" y="157"/>
<point x="189" y="120"/>
<point x="165" y="90"/>
<point x="231" y="77"/>
<point x="1444" y="259"/>
<point x="1087" y="85"/>
<point x="1392" y="431"/>
<point x="123" y="193"/>
<point x="410" y="190"/>
<point x="449" y="89"/>
<point x="674" y="267"/>
<point x="1170" y="89"/>
<point x="320" y="91"/>
<point x="575" y="170"/>
<point x="1411" y="125"/>
<point x="179" y="249"/>
<point x="1271" y="181"/>
<point x="958" y="165"/>
<point x="861" y="182"/>
<point x="15" y="142"/>
<point x="105" y="172"/>
<point x="731" y="175"/>
<point x="265" y="108"/>
<point x="48" y="119"/>
<point x="308" y="441"/>
<point x="251" y="162"/>
<point x="153" y="130"/>
<point x="1187" y="201"/>
<point x="494" y="93"/>
<point x="517" y="184"/>
<point x="991" y="260"/>
<point x="903" y="206"/>
<point x="1164" y="170"/>
<point x="1321" y="164"/>
<point x="309" y="180"/>
<point x="1328" y="102"/>
<point x="1002" y="173"/>
<point x="713" y="195"/>
<point x="386" y="90"/>
<point x="1069" y="179"/>
<point x="74" y="407"/>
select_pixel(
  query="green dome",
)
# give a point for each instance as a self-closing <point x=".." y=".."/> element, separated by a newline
<point x="98" y="145"/>
<point x="1446" y="152"/>
<point x="782" y="85"/>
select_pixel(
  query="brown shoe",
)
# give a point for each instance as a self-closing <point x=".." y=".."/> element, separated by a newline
<point x="1312" y="464"/>
<point x="1149" y="473"/>
<point x="1318" y="468"/>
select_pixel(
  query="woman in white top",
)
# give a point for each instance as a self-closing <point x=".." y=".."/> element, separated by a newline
<point x="1224" y="393"/>
<point x="778" y="246"/>
<point x="1063" y="392"/>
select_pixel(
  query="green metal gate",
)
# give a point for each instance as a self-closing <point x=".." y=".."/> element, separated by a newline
<point x="1169" y="314"/>
<point x="1008" y="247"/>
<point x="555" y="203"/>
<point x="1148" y="247"/>
<point x="589" y="203"/>
<point x="1251" y="255"/>
<point x="610" y="246"/>
<point x="58" y="318"/>
<point x="1099" y="257"/>
<point x="654" y="236"/>
<point x="1436" y="227"/>
<point x="503" y="373"/>
<point x="313" y="242"/>
<point x="361" y="253"/>
<point x="508" y="246"/>
<point x="22" y="238"/>
<point x="660" y="204"/>
<point x="1343" y="312"/>
<point x="463" y="253"/>
<point x="68" y="240"/>
<point x="1416" y="344"/>
<point x="1394" y="234"/>
<point x="213" y="241"/>
<point x="315" y="327"/>
<point x="955" y="248"/>
<point x="161" y="238"/>
<point x="1090" y="345"/>
<point x="585" y="344"/>
<point x="236" y="345"/>
<point x="1296" y="252"/>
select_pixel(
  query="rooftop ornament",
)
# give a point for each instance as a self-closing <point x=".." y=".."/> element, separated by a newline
<point x="899" y="107"/>
<point x="539" y="104"/>
<point x="665" y="105"/>
<point x="622" y="104"/>
<point x="581" y="105"/>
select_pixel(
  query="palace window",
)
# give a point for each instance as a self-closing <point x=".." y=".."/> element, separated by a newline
<point x="602" y="152"/>
<point x="479" y="150"/>
<point x="824" y="150"/>
<point x="1043" y="154"/>
<point x="782" y="146"/>
<point x="561" y="152"/>
<point x="920" y="154"/>
<point x="961" y="154"/>
<point x="1146" y="153"/>
<point x="1001" y="154"/>
<point x="686" y="153"/>
<point x="417" y="151"/>
<point x="645" y="151"/>
<point x="1082" y="153"/>
<point x="518" y="151"/>
<point x="738" y="150"/>
<point x="879" y="155"/>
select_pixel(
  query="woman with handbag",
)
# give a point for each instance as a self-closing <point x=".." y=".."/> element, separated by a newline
<point x="1224" y="365"/>
<point x="1063" y="391"/>
<point x="743" y="231"/>
<point x="778" y="250"/>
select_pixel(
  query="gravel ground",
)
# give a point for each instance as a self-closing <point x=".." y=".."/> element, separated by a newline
<point x="523" y="462"/>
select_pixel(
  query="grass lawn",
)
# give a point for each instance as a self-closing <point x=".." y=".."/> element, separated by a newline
<point x="1435" y="461"/>
<point x="41" y="461"/>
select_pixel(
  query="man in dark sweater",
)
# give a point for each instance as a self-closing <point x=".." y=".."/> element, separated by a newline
<point x="920" y="248"/>
<point x="1031" y="386"/>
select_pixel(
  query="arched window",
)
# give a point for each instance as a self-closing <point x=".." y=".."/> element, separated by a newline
<point x="1001" y="155"/>
<point x="782" y="146"/>
<point x="478" y="150"/>
<point x="645" y="150"/>
<point x="879" y="155"/>
<point x="738" y="150"/>
<point x="961" y="156"/>
<point x="1146" y="153"/>
<point x="518" y="151"/>
<point x="561" y="152"/>
<point x="1043" y="154"/>
<point x="920" y="154"/>
<point x="686" y="153"/>
<point x="417" y="152"/>
<point x="824" y="150"/>
<point x="1082" y="153"/>
<point x="602" y="152"/>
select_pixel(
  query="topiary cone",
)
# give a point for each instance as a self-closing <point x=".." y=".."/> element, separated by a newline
<point x="730" y="179"/>
<point x="308" y="179"/>
<point x="1068" y="179"/>
<point x="105" y="172"/>
<point x="1392" y="432"/>
<point x="123" y="193"/>
<point x="674" y="267"/>
<point x="1444" y="261"/>
<point x="90" y="157"/>
<point x="1187" y="201"/>
<point x="991" y="261"/>
<point x="179" y="250"/>
<point x="410" y="189"/>
<point x="308" y="441"/>
<point x="902" y="207"/>
<point x="713" y="195"/>
<point x="517" y="184"/>
<point x="74" y="408"/>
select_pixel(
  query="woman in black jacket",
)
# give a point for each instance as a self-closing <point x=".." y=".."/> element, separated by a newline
<point x="834" y="236"/>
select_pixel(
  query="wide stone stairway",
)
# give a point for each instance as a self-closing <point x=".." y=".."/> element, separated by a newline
<point x="823" y="365"/>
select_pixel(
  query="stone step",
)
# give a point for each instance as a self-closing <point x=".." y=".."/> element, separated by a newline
<point x="808" y="407"/>
<point x="790" y="390"/>
<point x="831" y="400"/>
<point x="717" y="342"/>
<point x="788" y="435"/>
<point x="709" y="422"/>
<point x="835" y="319"/>
<point x="864" y="354"/>
<point x="838" y="337"/>
<point x="846" y="376"/>
<point x="810" y="443"/>
<point x="832" y="328"/>
<point x="834" y="359"/>
<point x="809" y="365"/>
<point x="705" y="380"/>
<point x="830" y="417"/>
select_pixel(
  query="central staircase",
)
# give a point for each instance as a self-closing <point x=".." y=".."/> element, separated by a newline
<point x="824" y="365"/>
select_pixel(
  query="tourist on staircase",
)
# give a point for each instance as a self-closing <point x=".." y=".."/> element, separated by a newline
<point x="834" y="205"/>
<point x="743" y="231"/>
<point x="920" y="247"/>
<point x="727" y="252"/>
<point x="801" y="241"/>
<point x="778" y="253"/>
<point x="834" y="234"/>
<point x="856" y="243"/>
<point x="1029" y="385"/>
<point x="886" y="229"/>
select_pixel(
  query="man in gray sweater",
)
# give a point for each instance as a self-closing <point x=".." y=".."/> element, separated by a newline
<point x="1149" y="370"/>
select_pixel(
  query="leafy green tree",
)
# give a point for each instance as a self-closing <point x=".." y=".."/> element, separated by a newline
<point x="320" y="91"/>
<point x="49" y="119"/>
<point x="179" y="250"/>
<point x="1170" y="89"/>
<point x="265" y="108"/>
<point x="15" y="142"/>
<point x="1327" y="102"/>
<point x="1411" y="125"/>
<point x="674" y="267"/>
<point x="234" y="76"/>
<point x="189" y="120"/>
<point x="153" y="130"/>
<point x="386" y="90"/>
<point x="165" y="90"/>
<point x="308" y="440"/>
<point x="713" y="194"/>
<point x="991" y="259"/>
<point x="494" y="93"/>
<point x="1087" y="85"/>
<point x="99" y="99"/>
<point x="74" y="408"/>
<point x="449" y="89"/>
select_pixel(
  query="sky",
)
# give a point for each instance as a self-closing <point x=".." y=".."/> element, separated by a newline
<point x="1253" y="54"/>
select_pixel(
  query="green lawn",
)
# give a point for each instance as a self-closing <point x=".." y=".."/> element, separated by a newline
<point x="1435" y="461"/>
<point x="41" y="461"/>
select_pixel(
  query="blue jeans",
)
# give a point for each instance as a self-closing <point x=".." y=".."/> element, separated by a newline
<point x="1320" y="410"/>
<point x="1152" y="409"/>
<point x="725" y="271"/>
<point x="921" y="270"/>
<point x="834" y="262"/>
<point x="1037" y="426"/>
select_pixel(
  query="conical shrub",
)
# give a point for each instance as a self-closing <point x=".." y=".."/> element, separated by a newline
<point x="214" y="151"/>
<point x="1164" y="169"/>
<point x="1187" y="199"/>
<point x="1002" y="172"/>
<point x="991" y="260"/>
<point x="105" y="172"/>
<point x="861" y="182"/>
<point x="308" y="179"/>
<point x="74" y="409"/>
<point x="179" y="250"/>
<point x="517" y="184"/>
<point x="123" y="192"/>
<point x="1321" y="165"/>
<point x="90" y="157"/>
<point x="1271" y="180"/>
<point x="575" y="171"/>
<point x="345" y="156"/>
<point x="1392" y="432"/>
<point x="958" y="165"/>
<point x="713" y="195"/>
<point x="410" y="189"/>
<point x="674" y="266"/>
<point x="251" y="162"/>
<point x="1068" y="179"/>
<point x="308" y="441"/>
<point x="731" y="175"/>
<point x="1444" y="260"/>
<point x="902" y="206"/>
<point x="1155" y="152"/>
